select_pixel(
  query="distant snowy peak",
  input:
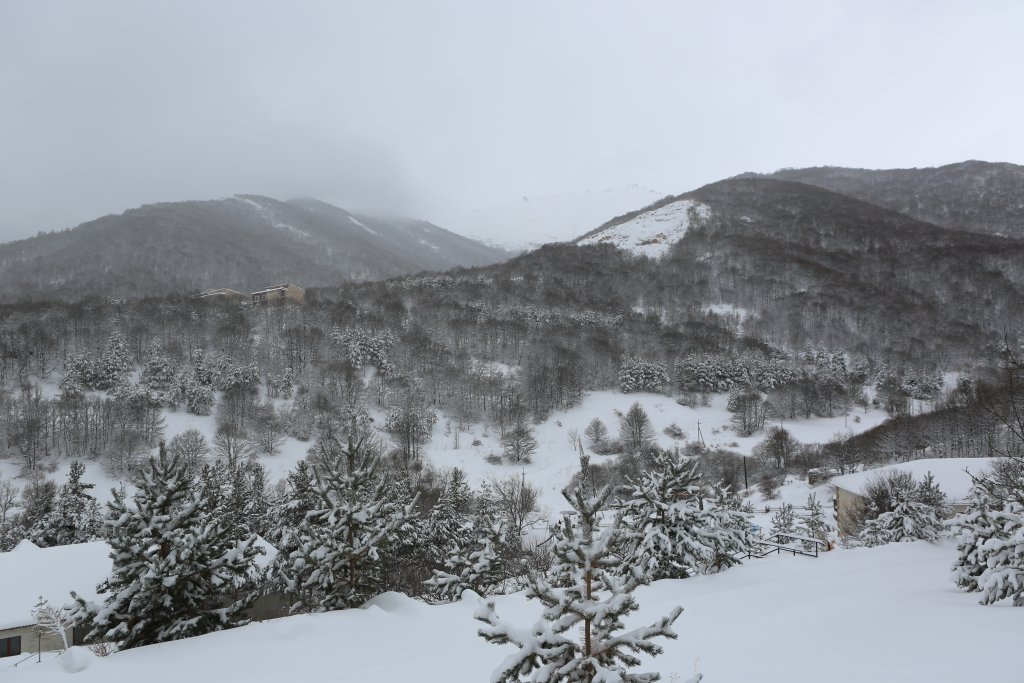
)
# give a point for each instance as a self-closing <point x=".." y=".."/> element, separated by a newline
<point x="528" y="222"/>
<point x="652" y="233"/>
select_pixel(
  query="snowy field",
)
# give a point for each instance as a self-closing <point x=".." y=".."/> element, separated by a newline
<point x="872" y="614"/>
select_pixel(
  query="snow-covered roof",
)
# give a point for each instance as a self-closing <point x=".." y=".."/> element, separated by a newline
<point x="27" y="573"/>
<point x="277" y="288"/>
<point x="951" y="474"/>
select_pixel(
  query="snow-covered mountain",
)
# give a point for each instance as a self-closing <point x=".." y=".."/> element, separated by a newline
<point x="529" y="222"/>
<point x="241" y="242"/>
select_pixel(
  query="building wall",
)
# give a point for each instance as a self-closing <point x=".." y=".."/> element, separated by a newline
<point x="30" y="640"/>
<point x="849" y="509"/>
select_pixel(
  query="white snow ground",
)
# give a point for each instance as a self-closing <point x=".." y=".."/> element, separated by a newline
<point x="872" y="614"/>
<point x="651" y="233"/>
<point x="528" y="222"/>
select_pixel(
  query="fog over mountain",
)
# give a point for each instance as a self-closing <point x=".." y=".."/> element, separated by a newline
<point x="438" y="109"/>
<point x="243" y="243"/>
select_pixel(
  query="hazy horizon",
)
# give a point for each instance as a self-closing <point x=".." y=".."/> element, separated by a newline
<point x="434" y="110"/>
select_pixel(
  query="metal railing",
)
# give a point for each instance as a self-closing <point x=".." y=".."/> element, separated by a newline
<point x="805" y="545"/>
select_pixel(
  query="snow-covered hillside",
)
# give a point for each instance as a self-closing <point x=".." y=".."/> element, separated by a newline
<point x="529" y="222"/>
<point x="652" y="233"/>
<point x="873" y="614"/>
<point x="554" y="462"/>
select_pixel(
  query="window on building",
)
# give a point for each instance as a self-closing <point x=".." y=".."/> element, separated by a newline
<point x="10" y="646"/>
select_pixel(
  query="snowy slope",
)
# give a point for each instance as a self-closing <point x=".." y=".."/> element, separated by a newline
<point x="556" y="461"/>
<point x="529" y="222"/>
<point x="652" y="233"/>
<point x="872" y="614"/>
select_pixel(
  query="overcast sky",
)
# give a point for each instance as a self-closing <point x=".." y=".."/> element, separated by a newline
<point x="432" y="108"/>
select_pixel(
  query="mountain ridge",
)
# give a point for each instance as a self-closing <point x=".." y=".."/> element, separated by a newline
<point x="244" y="241"/>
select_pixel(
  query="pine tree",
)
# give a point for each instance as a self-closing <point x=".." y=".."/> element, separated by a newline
<point x="158" y="372"/>
<point x="593" y="605"/>
<point x="115" y="363"/>
<point x="727" y="526"/>
<point x="175" y="565"/>
<point x="1003" y="577"/>
<point x="911" y="520"/>
<point x="974" y="531"/>
<point x="813" y="523"/>
<point x="481" y="570"/>
<point x="784" y="520"/>
<point x="75" y="516"/>
<point x="665" y="535"/>
<point x="990" y="547"/>
<point x="335" y="563"/>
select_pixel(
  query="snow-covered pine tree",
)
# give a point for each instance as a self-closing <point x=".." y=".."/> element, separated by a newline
<point x="175" y="565"/>
<point x="478" y="566"/>
<point x="592" y="605"/>
<point x="727" y="528"/>
<point x="974" y="529"/>
<point x="1003" y="577"/>
<point x="813" y="523"/>
<point x="115" y="363"/>
<point x="337" y="544"/>
<point x="665" y="536"/>
<point x="911" y="520"/>
<point x="75" y="516"/>
<point x="157" y="371"/>
<point x="636" y="374"/>
<point x="990" y="545"/>
<point x="784" y="521"/>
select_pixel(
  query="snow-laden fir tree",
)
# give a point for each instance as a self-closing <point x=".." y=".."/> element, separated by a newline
<point x="990" y="546"/>
<point x="636" y="374"/>
<point x="478" y="566"/>
<point x="580" y="636"/>
<point x="813" y="523"/>
<point x="157" y="371"/>
<point x="918" y="515"/>
<point x="75" y="516"/>
<point x="115" y="363"/>
<point x="728" y="528"/>
<point x="974" y="530"/>
<point x="335" y="563"/>
<point x="176" y="566"/>
<point x="784" y="521"/>
<point x="665" y="533"/>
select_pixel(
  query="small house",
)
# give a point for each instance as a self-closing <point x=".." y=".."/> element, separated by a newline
<point x="282" y="292"/>
<point x="952" y="475"/>
<point x="28" y="573"/>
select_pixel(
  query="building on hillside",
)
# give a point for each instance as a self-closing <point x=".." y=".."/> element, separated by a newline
<point x="952" y="475"/>
<point x="29" y="573"/>
<point x="219" y="293"/>
<point x="282" y="292"/>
